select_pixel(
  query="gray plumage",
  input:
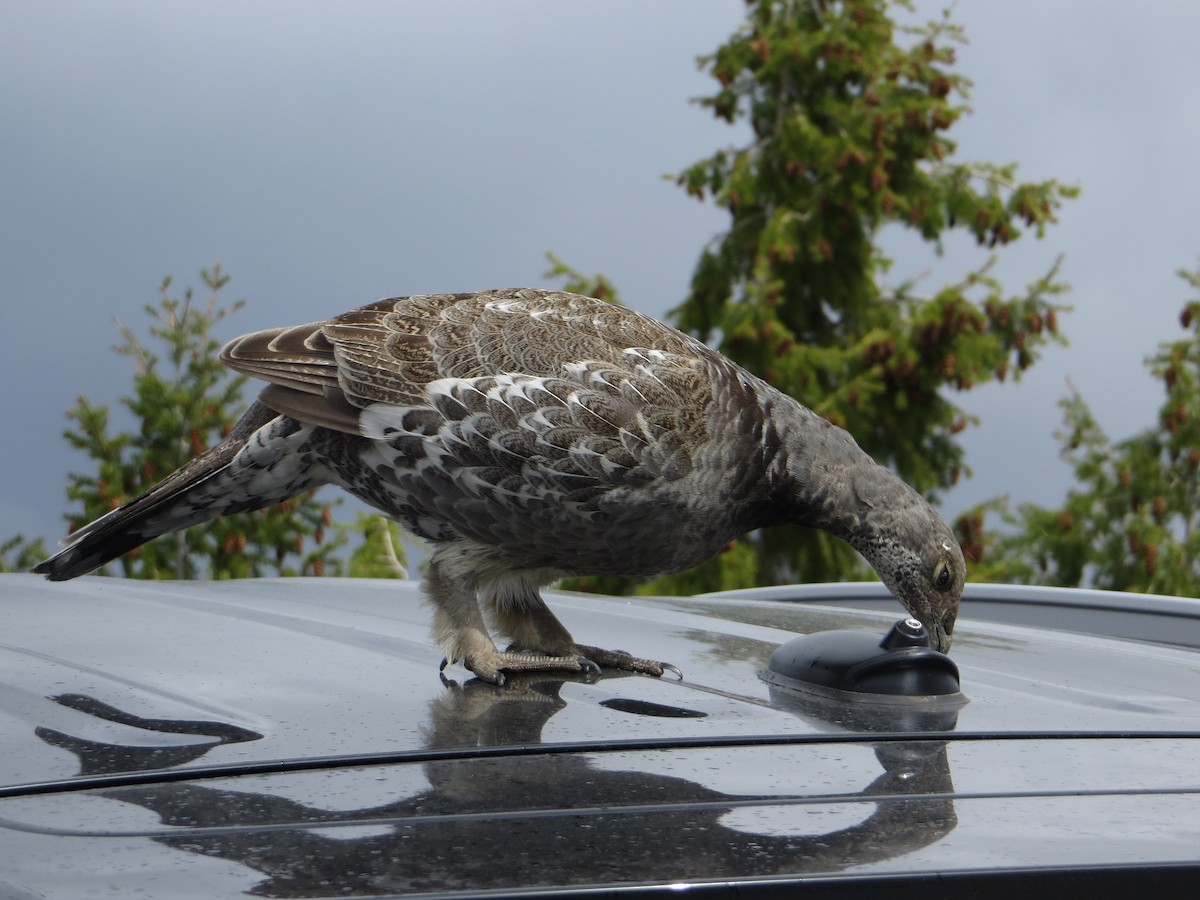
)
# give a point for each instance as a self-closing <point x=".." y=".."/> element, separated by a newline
<point x="530" y="435"/>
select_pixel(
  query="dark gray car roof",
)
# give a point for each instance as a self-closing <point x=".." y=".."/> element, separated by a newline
<point x="269" y="734"/>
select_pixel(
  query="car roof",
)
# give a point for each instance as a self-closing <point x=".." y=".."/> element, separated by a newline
<point x="325" y="665"/>
<point x="216" y="717"/>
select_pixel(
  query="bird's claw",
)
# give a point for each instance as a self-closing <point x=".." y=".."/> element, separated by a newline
<point x="674" y="670"/>
<point x="625" y="662"/>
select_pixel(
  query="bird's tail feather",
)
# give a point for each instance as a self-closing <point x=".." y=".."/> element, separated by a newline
<point x="236" y="475"/>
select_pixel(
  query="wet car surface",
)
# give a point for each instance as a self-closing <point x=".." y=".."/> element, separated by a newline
<point x="293" y="738"/>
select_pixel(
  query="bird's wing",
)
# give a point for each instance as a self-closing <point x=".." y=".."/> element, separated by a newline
<point x="400" y="353"/>
<point x="529" y="422"/>
<point x="299" y="357"/>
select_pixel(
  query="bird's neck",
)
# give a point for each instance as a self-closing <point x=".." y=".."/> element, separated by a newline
<point x="820" y="477"/>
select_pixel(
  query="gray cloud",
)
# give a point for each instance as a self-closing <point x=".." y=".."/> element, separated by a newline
<point x="330" y="154"/>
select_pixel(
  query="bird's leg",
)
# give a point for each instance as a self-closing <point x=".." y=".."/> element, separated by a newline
<point x="458" y="625"/>
<point x="518" y="611"/>
<point x="539" y="641"/>
<point x="459" y="629"/>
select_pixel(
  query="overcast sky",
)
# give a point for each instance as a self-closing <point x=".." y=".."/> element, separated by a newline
<point x="329" y="154"/>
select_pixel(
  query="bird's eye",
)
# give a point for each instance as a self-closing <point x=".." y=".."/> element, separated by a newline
<point x="941" y="576"/>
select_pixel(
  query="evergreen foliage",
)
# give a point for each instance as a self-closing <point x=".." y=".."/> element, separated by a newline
<point x="184" y="401"/>
<point x="380" y="552"/>
<point x="20" y="554"/>
<point x="850" y="115"/>
<point x="1131" y="522"/>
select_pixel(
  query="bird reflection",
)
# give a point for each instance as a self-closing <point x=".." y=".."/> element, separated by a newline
<point x="530" y="819"/>
<point x="99" y="758"/>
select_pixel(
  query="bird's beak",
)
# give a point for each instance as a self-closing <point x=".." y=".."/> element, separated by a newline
<point x="940" y="637"/>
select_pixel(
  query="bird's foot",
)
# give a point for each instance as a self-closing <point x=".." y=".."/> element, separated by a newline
<point x="619" y="659"/>
<point x="492" y="666"/>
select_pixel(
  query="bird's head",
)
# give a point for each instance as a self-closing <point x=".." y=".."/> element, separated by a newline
<point x="918" y="558"/>
<point x="826" y="481"/>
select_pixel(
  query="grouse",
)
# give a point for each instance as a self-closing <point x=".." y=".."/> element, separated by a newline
<point x="529" y="435"/>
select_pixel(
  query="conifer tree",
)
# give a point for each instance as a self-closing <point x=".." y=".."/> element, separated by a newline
<point x="380" y="553"/>
<point x="850" y="117"/>
<point x="20" y="554"/>
<point x="1131" y="521"/>
<point x="184" y="401"/>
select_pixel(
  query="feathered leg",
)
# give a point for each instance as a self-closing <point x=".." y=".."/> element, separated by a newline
<point x="519" y="612"/>
<point x="539" y="641"/>
<point x="257" y="465"/>
<point x="460" y="630"/>
<point x="535" y="630"/>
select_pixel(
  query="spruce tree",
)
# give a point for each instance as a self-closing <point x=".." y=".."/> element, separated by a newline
<point x="850" y="116"/>
<point x="1131" y="520"/>
<point x="20" y="554"/>
<point x="184" y="401"/>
